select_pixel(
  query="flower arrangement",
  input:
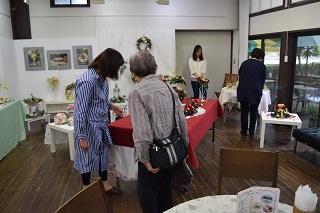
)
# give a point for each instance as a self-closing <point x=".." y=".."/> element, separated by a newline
<point x="70" y="121"/>
<point x="189" y="110"/>
<point x="164" y="78"/>
<point x="32" y="101"/>
<point x="280" y="111"/>
<point x="195" y="102"/>
<point x="60" y="118"/>
<point x="120" y="99"/>
<point x="53" y="82"/>
<point x="203" y="82"/>
<point x="177" y="80"/>
<point x="181" y="93"/>
<point x="123" y="68"/>
<point x="146" y="41"/>
<point x="232" y="85"/>
<point x="37" y="113"/>
<point x="68" y="93"/>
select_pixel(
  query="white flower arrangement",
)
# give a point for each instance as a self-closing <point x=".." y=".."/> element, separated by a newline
<point x="146" y="41"/>
<point x="60" y="118"/>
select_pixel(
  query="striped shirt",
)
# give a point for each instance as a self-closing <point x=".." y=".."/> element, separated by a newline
<point x="91" y="122"/>
<point x="151" y="110"/>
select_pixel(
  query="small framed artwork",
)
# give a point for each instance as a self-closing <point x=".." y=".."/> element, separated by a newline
<point x="82" y="56"/>
<point x="34" y="58"/>
<point x="58" y="59"/>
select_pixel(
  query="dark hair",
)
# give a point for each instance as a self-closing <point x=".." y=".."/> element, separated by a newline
<point x="195" y="50"/>
<point x="108" y="63"/>
<point x="257" y="53"/>
<point x="142" y="64"/>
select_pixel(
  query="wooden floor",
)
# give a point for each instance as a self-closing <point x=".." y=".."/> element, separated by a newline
<point x="34" y="180"/>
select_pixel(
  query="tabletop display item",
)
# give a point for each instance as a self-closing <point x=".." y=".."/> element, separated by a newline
<point x="203" y="82"/>
<point x="32" y="101"/>
<point x="177" y="80"/>
<point x="280" y="112"/>
<point x="305" y="200"/>
<point x="232" y="85"/>
<point x="119" y="100"/>
<point x="259" y="200"/>
<point x="164" y="78"/>
<point x="189" y="110"/>
<point x="60" y="118"/>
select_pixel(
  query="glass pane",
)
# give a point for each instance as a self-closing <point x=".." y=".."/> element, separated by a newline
<point x="62" y="2"/>
<point x="306" y="91"/>
<point x="79" y="1"/>
<point x="253" y="44"/>
<point x="276" y="3"/>
<point x="272" y="61"/>
<point x="265" y="4"/>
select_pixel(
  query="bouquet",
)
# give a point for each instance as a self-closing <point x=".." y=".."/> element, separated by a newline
<point x="164" y="78"/>
<point x="280" y="111"/>
<point x="70" y="121"/>
<point x="60" y="118"/>
<point x="195" y="102"/>
<point x="203" y="82"/>
<point x="181" y="93"/>
<point x="32" y="101"/>
<point x="120" y="99"/>
<point x="53" y="82"/>
<point x="232" y="85"/>
<point x="189" y="110"/>
<point x="177" y="80"/>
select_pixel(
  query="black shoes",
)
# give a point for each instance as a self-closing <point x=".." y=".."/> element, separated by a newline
<point x="114" y="191"/>
<point x="243" y="133"/>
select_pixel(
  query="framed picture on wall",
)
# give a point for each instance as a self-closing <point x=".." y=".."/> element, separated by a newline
<point x="82" y="56"/>
<point x="34" y="58"/>
<point x="58" y="59"/>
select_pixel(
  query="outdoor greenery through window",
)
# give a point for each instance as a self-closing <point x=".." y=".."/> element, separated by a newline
<point x="306" y="94"/>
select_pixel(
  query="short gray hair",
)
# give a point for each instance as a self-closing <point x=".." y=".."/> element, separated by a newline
<point x="142" y="64"/>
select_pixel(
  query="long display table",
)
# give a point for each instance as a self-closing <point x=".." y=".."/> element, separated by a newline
<point x="12" y="129"/>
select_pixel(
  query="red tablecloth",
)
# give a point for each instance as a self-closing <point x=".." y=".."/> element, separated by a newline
<point x="121" y="130"/>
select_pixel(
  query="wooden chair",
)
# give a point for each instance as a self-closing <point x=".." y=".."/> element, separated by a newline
<point x="248" y="164"/>
<point x="91" y="199"/>
<point x="228" y="78"/>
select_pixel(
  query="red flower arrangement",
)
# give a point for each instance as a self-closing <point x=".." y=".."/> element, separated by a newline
<point x="203" y="81"/>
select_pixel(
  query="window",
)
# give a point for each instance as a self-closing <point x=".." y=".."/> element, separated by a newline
<point x="69" y="3"/>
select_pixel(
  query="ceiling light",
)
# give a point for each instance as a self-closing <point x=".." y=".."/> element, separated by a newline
<point x="26" y="1"/>
<point x="162" y="2"/>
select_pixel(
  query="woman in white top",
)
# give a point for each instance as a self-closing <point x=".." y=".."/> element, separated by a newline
<point x="198" y="68"/>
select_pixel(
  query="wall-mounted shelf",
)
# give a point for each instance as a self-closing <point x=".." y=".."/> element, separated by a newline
<point x="57" y="106"/>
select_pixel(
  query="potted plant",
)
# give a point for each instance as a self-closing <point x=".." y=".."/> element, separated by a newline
<point x="312" y="113"/>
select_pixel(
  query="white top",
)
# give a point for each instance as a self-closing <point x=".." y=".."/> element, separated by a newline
<point x="216" y="204"/>
<point x="200" y="67"/>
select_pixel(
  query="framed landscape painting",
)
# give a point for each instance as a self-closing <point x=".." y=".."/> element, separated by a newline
<point x="34" y="58"/>
<point x="58" y="59"/>
<point x="82" y="56"/>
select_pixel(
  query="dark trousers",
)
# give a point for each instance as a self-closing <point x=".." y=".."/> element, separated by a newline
<point x="195" y="88"/>
<point x="154" y="190"/>
<point x="245" y="109"/>
<point x="86" y="176"/>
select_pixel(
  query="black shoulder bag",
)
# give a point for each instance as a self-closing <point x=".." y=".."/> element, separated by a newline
<point x="170" y="151"/>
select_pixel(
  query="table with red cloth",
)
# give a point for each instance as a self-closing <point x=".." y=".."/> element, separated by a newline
<point x="121" y="130"/>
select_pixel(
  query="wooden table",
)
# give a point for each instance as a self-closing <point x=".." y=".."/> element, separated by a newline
<point x="266" y="118"/>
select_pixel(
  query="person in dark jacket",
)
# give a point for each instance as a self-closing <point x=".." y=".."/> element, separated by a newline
<point x="252" y="74"/>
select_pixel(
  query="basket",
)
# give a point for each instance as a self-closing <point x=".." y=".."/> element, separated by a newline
<point x="296" y="210"/>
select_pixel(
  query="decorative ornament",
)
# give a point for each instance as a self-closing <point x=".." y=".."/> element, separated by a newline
<point x="60" y="118"/>
<point x="53" y="82"/>
<point x="5" y="86"/>
<point x="123" y="68"/>
<point x="68" y="93"/>
<point x="144" y="41"/>
<point x="32" y="101"/>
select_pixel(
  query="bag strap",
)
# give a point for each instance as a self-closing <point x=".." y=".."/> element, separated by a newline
<point x="174" y="106"/>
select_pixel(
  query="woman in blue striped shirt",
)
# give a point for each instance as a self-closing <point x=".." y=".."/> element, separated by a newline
<point x="92" y="137"/>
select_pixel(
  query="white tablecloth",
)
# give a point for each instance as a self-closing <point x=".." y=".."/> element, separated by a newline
<point x="216" y="204"/>
<point x="121" y="158"/>
<point x="229" y="95"/>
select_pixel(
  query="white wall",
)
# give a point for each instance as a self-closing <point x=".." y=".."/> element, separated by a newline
<point x="8" y="65"/>
<point x="62" y="28"/>
<point x="297" y="18"/>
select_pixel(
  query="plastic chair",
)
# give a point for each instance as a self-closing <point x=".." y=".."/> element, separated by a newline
<point x="90" y="199"/>
<point x="248" y="164"/>
<point x="228" y="78"/>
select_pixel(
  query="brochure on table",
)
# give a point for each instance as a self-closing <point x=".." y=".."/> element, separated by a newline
<point x="258" y="200"/>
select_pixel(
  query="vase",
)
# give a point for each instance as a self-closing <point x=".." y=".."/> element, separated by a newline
<point x="54" y="96"/>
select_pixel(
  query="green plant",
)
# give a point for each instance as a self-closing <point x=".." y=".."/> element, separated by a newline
<point x="311" y="112"/>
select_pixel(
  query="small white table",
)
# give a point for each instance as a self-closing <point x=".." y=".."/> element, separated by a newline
<point x="62" y="128"/>
<point x="216" y="204"/>
<point x="266" y="118"/>
<point x="42" y="118"/>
